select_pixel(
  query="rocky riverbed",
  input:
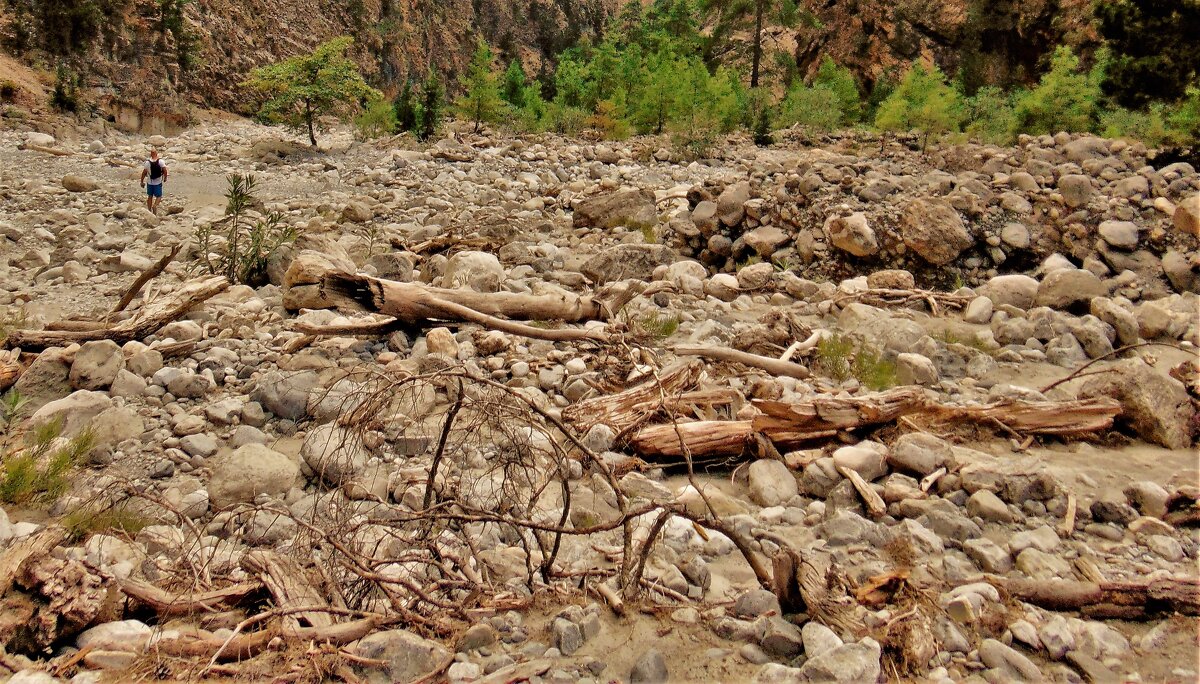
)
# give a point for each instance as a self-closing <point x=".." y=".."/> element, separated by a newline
<point x="254" y="446"/>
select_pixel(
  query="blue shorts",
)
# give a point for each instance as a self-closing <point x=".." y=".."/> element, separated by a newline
<point x="154" y="190"/>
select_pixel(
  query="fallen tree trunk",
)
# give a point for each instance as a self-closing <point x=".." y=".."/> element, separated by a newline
<point x="627" y="408"/>
<point x="772" y="366"/>
<point x="169" y="605"/>
<point x="153" y="316"/>
<point x="290" y="588"/>
<point x="790" y="424"/>
<point x="1126" y="600"/>
<point x="31" y="548"/>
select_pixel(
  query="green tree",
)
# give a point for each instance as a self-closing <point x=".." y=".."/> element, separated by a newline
<point x="481" y="102"/>
<point x="990" y="116"/>
<point x="1154" y="49"/>
<point x="815" y="107"/>
<point x="301" y="90"/>
<point x="922" y="101"/>
<point x="1065" y="99"/>
<point x="841" y="83"/>
<point x="514" y="85"/>
<point x="406" y="107"/>
<point x="429" y="113"/>
<point x="731" y="19"/>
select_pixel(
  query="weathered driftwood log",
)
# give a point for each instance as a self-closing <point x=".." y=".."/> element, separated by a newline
<point x="171" y="605"/>
<point x="29" y="549"/>
<point x="1126" y="600"/>
<point x="290" y="587"/>
<point x="630" y="406"/>
<point x="772" y="366"/>
<point x="790" y="424"/>
<point x="146" y="276"/>
<point x="10" y="367"/>
<point x="153" y="316"/>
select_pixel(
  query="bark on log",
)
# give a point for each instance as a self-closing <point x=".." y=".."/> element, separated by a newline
<point x="1036" y="417"/>
<point x="239" y="647"/>
<point x="1130" y="600"/>
<point x="153" y="316"/>
<point x="26" y="550"/>
<point x="10" y="368"/>
<point x="699" y="438"/>
<point x="290" y="587"/>
<point x="772" y="366"/>
<point x="627" y="408"/>
<point x="169" y="605"/>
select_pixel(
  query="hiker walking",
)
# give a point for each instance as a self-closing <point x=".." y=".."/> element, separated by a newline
<point x="154" y="174"/>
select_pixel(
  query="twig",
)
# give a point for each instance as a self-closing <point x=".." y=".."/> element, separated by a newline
<point x="1114" y="352"/>
<point x="1067" y="528"/>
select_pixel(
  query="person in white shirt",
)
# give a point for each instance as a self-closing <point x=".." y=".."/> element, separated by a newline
<point x="154" y="174"/>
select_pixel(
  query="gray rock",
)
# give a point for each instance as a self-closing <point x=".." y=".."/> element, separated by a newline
<point x="1120" y="234"/>
<point x="766" y="240"/>
<point x="75" y="411"/>
<point x="771" y="483"/>
<point x="988" y="555"/>
<point x="46" y="379"/>
<point x="1148" y="497"/>
<point x="1015" y="235"/>
<point x="756" y="602"/>
<point x="202" y="445"/>
<point x="867" y="458"/>
<point x="286" y="394"/>
<point x="408" y="656"/>
<point x="250" y="470"/>
<point x="1056" y="636"/>
<point x="849" y="663"/>
<point x="920" y="453"/>
<point x="818" y="639"/>
<point x="979" y="310"/>
<point x="650" y="668"/>
<point x="79" y="184"/>
<point x="1066" y="286"/>
<point x="731" y="204"/>
<point x="934" y="230"/>
<point x="479" y="271"/>
<point x="781" y="638"/>
<point x="1156" y="406"/>
<point x="1121" y="319"/>
<point x="1076" y="190"/>
<point x="1043" y="566"/>
<point x="1187" y="216"/>
<point x="609" y="210"/>
<point x="1042" y="538"/>
<point x="1015" y="290"/>
<point x="852" y="234"/>
<point x="915" y="369"/>
<point x="986" y="505"/>
<point x="1015" y="666"/>
<point x="96" y="365"/>
<point x="568" y="638"/>
<point x="335" y="455"/>
<point x="627" y="261"/>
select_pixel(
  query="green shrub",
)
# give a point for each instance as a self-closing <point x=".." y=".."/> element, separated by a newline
<point x="40" y="468"/>
<point x="923" y="101"/>
<point x="838" y="357"/>
<point x="405" y="108"/>
<point x="1184" y="120"/>
<point x="8" y="91"/>
<point x="65" y="96"/>
<point x="1149" y="126"/>
<point x="815" y="107"/>
<point x="1065" y="99"/>
<point x="430" y="111"/>
<point x="85" y="521"/>
<point x="990" y="116"/>
<point x="834" y="353"/>
<point x="843" y="85"/>
<point x="658" y="326"/>
<point x="247" y="247"/>
<point x="873" y="369"/>
<point x="376" y="120"/>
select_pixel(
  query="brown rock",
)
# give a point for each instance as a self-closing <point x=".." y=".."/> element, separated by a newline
<point x="934" y="230"/>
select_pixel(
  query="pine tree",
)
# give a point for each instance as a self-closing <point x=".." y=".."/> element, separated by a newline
<point x="406" y="107"/>
<point x="429" y="114"/>
<point x="514" y="85"/>
<point x="732" y="18"/>
<point x="481" y="102"/>
<point x="841" y="83"/>
<point x="1066" y="98"/>
<point x="1154" y="48"/>
<point x="923" y="101"/>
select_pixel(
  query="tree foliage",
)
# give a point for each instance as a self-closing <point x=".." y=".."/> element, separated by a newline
<point x="1067" y="98"/>
<point x="481" y="102"/>
<point x="431" y="108"/>
<point x="514" y="85"/>
<point x="844" y="87"/>
<point x="732" y="19"/>
<point x="302" y="90"/>
<point x="1154" y="49"/>
<point x="923" y="101"/>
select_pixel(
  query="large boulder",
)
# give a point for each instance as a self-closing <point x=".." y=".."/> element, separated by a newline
<point x="731" y="204"/>
<point x="250" y="470"/>
<point x="1075" y="189"/>
<point x="627" y="261"/>
<point x="766" y="240"/>
<point x="479" y="271"/>
<point x="76" y="411"/>
<point x="634" y="208"/>
<point x="79" y="184"/>
<point x="848" y="663"/>
<point x="1011" y="290"/>
<point x="96" y="365"/>
<point x="47" y="378"/>
<point x="406" y="656"/>
<point x="302" y="281"/>
<point x="1065" y="286"/>
<point x="286" y="394"/>
<point x="333" y="454"/>
<point x="771" y="483"/>
<point x="852" y="234"/>
<point x="1156" y="406"/>
<point x="934" y="230"/>
<point x="1187" y="216"/>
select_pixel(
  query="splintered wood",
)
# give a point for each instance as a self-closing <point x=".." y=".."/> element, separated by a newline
<point x="790" y="424"/>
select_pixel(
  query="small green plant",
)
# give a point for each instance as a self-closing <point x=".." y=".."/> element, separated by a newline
<point x="8" y="91"/>
<point x="648" y="235"/>
<point x="376" y="120"/>
<point x="65" y="96"/>
<point x="85" y="521"/>
<point x="834" y="354"/>
<point x="248" y="246"/>
<point x="39" y="468"/>
<point x="873" y="369"/>
<point x="658" y="326"/>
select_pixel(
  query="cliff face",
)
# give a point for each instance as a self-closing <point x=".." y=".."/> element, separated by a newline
<point x="134" y="56"/>
<point x="997" y="42"/>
